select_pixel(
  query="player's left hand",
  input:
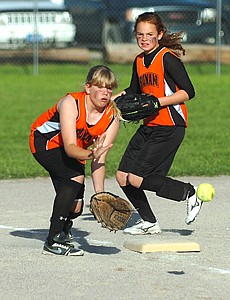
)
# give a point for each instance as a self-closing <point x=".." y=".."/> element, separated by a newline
<point x="98" y="146"/>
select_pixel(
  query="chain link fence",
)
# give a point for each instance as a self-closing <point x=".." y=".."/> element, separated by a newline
<point x="42" y="32"/>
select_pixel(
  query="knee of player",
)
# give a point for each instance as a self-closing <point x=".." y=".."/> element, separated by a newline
<point x="78" y="206"/>
<point x="121" y="178"/>
<point x="75" y="213"/>
<point x="134" y="180"/>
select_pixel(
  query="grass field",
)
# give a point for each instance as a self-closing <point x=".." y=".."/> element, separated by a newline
<point x="205" y="150"/>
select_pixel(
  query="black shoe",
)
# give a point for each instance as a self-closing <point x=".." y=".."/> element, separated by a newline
<point x="61" y="249"/>
<point x="61" y="238"/>
<point x="69" y="237"/>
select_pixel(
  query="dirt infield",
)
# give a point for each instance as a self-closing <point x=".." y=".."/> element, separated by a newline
<point x="108" y="270"/>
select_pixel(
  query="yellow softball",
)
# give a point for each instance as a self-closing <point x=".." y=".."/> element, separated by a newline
<point x="205" y="192"/>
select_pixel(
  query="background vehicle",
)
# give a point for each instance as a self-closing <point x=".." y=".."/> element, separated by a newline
<point x="99" y="22"/>
<point x="23" y="22"/>
<point x="90" y="18"/>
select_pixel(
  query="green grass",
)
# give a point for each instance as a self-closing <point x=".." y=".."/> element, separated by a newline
<point x="205" y="150"/>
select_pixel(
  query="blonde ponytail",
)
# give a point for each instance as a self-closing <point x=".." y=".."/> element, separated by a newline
<point x="117" y="112"/>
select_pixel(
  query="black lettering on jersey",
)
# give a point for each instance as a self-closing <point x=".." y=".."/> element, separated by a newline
<point x="84" y="135"/>
<point x="149" y="79"/>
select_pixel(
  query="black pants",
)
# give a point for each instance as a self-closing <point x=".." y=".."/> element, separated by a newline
<point x="152" y="150"/>
<point x="150" y="154"/>
<point x="61" y="169"/>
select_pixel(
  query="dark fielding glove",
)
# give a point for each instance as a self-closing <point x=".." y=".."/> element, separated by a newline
<point x="110" y="210"/>
<point x="136" y="107"/>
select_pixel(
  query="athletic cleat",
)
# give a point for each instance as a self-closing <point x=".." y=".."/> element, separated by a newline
<point x="62" y="238"/>
<point x="143" y="227"/>
<point x="194" y="205"/>
<point x="61" y="249"/>
<point x="69" y="237"/>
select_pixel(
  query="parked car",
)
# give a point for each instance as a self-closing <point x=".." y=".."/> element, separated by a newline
<point x="196" y="18"/>
<point x="90" y="18"/>
<point x="24" y="22"/>
<point x="99" y="22"/>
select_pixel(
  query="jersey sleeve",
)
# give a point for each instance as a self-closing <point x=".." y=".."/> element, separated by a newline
<point x="134" y="87"/>
<point x="176" y="72"/>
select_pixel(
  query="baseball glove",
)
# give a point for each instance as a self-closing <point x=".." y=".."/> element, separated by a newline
<point x="136" y="107"/>
<point x="110" y="210"/>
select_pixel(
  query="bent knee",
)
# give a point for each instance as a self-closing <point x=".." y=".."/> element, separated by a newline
<point x="135" y="180"/>
<point x="78" y="206"/>
<point x="121" y="178"/>
<point x="77" y="209"/>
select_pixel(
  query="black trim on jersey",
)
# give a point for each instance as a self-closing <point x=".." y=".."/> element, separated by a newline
<point x="175" y="74"/>
<point x="40" y="139"/>
<point x="55" y="118"/>
<point x="91" y="125"/>
<point x="177" y="118"/>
